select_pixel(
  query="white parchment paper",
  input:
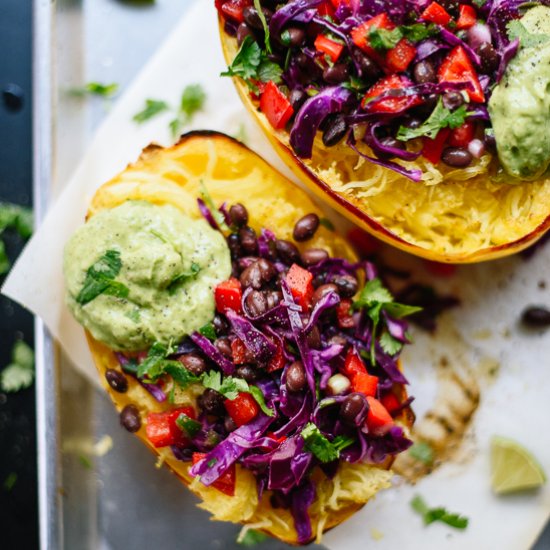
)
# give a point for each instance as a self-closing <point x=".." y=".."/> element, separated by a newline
<point x="515" y="403"/>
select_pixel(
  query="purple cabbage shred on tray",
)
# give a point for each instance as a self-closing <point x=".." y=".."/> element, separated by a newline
<point x="394" y="81"/>
<point x="297" y="372"/>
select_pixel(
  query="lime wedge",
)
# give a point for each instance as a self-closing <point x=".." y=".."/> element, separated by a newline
<point x="513" y="467"/>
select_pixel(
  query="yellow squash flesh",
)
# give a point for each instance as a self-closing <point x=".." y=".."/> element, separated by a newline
<point x="233" y="173"/>
<point x="455" y="215"/>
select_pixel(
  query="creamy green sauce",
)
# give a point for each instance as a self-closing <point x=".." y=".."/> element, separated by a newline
<point x="520" y="105"/>
<point x="156" y="245"/>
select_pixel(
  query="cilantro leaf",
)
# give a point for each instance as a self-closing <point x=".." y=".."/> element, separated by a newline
<point x="230" y="388"/>
<point x="429" y="515"/>
<point x="209" y="331"/>
<point x="516" y="29"/>
<point x="152" y="108"/>
<point x="321" y="447"/>
<point x="16" y="217"/>
<point x="440" y="118"/>
<point x="384" y="39"/>
<point x="188" y="425"/>
<point x="422" y="452"/>
<point x="182" y="376"/>
<point x="252" y="537"/>
<point x="192" y="99"/>
<point x="261" y="15"/>
<point x="184" y="277"/>
<point x="5" y="263"/>
<point x="19" y="374"/>
<point x="96" y="88"/>
<point x="269" y="70"/>
<point x="389" y="344"/>
<point x="10" y="481"/>
<point x="418" y="31"/>
<point x="325" y="222"/>
<point x="150" y="365"/>
<point x="100" y="279"/>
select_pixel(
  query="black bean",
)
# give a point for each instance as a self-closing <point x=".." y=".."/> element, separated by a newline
<point x="313" y="256"/>
<point x="116" y="380"/>
<point x="211" y="402"/>
<point x="322" y="291"/>
<point x="130" y="419"/>
<point x="313" y="338"/>
<point x="335" y="131"/>
<point x="242" y="32"/>
<point x="229" y="424"/>
<point x="489" y="58"/>
<point x="309" y="70"/>
<point x="451" y="6"/>
<point x="453" y="100"/>
<point x="267" y="270"/>
<point x="287" y="251"/>
<point x="224" y="347"/>
<point x="293" y="37"/>
<point x="247" y="372"/>
<point x="245" y="261"/>
<point x="536" y="316"/>
<point x="295" y="377"/>
<point x="252" y="19"/>
<point x="274" y="298"/>
<point x="336" y="73"/>
<point x="413" y="123"/>
<point x="428" y="105"/>
<point x="424" y="72"/>
<point x="352" y="406"/>
<point x="369" y="69"/>
<point x="256" y="303"/>
<point x="347" y="285"/>
<point x="297" y="98"/>
<point x="305" y="227"/>
<point x="457" y="157"/>
<point x="221" y="326"/>
<point x="234" y="244"/>
<point x="248" y="240"/>
<point x="252" y="277"/>
<point x="238" y="214"/>
<point x="193" y="363"/>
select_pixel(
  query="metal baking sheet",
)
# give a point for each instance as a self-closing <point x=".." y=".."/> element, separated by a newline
<point x="119" y="500"/>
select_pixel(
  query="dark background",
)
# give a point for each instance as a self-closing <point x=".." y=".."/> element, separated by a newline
<point x="18" y="504"/>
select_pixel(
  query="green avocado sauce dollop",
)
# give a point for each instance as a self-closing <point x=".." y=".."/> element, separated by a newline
<point x="141" y="273"/>
<point x="520" y="104"/>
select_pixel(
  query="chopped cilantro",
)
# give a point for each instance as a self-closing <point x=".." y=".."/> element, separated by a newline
<point x="134" y="315"/>
<point x="19" y="374"/>
<point x="516" y="29"/>
<point x="230" y="388"/>
<point x="209" y="331"/>
<point x="96" y="88"/>
<point x="325" y="222"/>
<point x="251" y="63"/>
<point x="429" y="515"/>
<point x="15" y="217"/>
<point x="184" y="277"/>
<point x="10" y="481"/>
<point x="422" y="452"/>
<point x="100" y="279"/>
<point x="192" y="101"/>
<point x="389" y="344"/>
<point x="251" y="538"/>
<point x="86" y="462"/>
<point x="188" y="425"/>
<point x="418" y="31"/>
<point x="321" y="447"/>
<point x="384" y="39"/>
<point x="261" y="15"/>
<point x="4" y="260"/>
<point x="152" y="108"/>
<point x="440" y="118"/>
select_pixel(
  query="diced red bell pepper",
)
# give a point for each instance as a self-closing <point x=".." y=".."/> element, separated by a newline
<point x="234" y="9"/>
<point x="363" y="242"/>
<point x="277" y="362"/>
<point x="391" y="402"/>
<point x="432" y="148"/>
<point x="228" y="295"/>
<point x="329" y="47"/>
<point x="299" y="281"/>
<point x="226" y="482"/>
<point x="344" y="314"/>
<point x="354" y="364"/>
<point x="400" y="57"/>
<point x="389" y="104"/>
<point x="326" y="9"/>
<point x="440" y="269"/>
<point x="240" y="352"/>
<point x="162" y="430"/>
<point x="379" y="420"/>
<point x="458" y="68"/>
<point x="275" y="106"/>
<point x="461" y="136"/>
<point x="242" y="409"/>
<point x="467" y="17"/>
<point x="364" y="383"/>
<point x="436" y="13"/>
<point x="360" y="34"/>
